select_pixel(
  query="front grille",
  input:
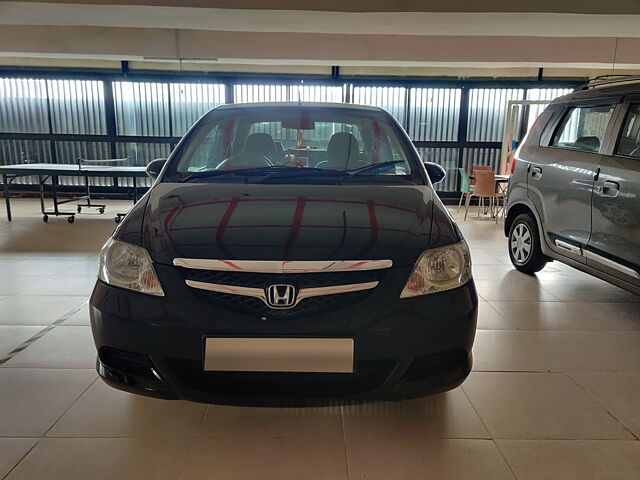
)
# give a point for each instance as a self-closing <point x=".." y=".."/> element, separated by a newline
<point x="307" y="306"/>
<point x="298" y="280"/>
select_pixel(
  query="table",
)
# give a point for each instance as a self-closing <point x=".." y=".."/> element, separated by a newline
<point x="53" y="171"/>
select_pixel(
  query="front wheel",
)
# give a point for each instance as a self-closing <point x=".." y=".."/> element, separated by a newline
<point x="524" y="245"/>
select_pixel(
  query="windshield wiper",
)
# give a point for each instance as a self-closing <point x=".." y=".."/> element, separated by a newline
<point x="374" y="167"/>
<point x="233" y="172"/>
<point x="305" y="172"/>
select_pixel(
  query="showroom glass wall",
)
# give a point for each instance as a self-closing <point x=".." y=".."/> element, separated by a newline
<point x="61" y="117"/>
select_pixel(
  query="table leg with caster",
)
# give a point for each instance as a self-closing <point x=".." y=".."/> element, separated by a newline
<point x="7" y="201"/>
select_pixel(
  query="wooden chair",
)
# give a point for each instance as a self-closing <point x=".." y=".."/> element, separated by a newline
<point x="485" y="187"/>
<point x="480" y="168"/>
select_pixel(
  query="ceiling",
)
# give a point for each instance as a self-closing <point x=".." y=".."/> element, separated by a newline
<point x="489" y="34"/>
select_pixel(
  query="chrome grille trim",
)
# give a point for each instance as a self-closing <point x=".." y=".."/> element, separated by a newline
<point x="280" y="266"/>
<point x="302" y="293"/>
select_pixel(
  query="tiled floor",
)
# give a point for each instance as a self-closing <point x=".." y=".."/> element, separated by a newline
<point x="555" y="392"/>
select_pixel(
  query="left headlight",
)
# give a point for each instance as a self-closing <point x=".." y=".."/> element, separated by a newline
<point x="128" y="266"/>
<point x="439" y="269"/>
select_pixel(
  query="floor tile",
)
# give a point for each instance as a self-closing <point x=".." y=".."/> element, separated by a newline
<point x="490" y="319"/>
<point x="539" y="406"/>
<point x="81" y="317"/>
<point x="12" y="450"/>
<point x="103" y="459"/>
<point x="601" y="292"/>
<point x="572" y="459"/>
<point x="619" y="393"/>
<point x="75" y="285"/>
<point x="405" y="458"/>
<point x="36" y="310"/>
<point x="545" y="316"/>
<point x="447" y="415"/>
<point x="483" y="258"/>
<point x="41" y="266"/>
<point x="514" y="286"/>
<point x="103" y="411"/>
<point x="590" y="351"/>
<point x="490" y="272"/>
<point x="87" y="267"/>
<point x="62" y="347"/>
<point x="11" y="336"/>
<point x="507" y="351"/>
<point x="14" y="284"/>
<point x="612" y="316"/>
<point x="33" y="399"/>
<point x="229" y="421"/>
<point x="268" y="458"/>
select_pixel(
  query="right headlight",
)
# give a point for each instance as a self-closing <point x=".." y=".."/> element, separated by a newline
<point x="439" y="269"/>
<point x="128" y="266"/>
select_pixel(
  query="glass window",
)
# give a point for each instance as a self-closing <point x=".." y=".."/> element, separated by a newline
<point x="583" y="128"/>
<point x="391" y="99"/>
<point x="487" y="112"/>
<point x="629" y="143"/>
<point x="142" y="108"/>
<point x="314" y="139"/>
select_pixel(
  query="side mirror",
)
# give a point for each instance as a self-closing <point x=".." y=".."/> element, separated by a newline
<point x="155" y="167"/>
<point x="436" y="172"/>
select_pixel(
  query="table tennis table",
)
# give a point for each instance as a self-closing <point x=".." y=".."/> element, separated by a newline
<point x="52" y="171"/>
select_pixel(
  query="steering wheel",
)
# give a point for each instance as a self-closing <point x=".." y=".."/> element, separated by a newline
<point x="245" y="160"/>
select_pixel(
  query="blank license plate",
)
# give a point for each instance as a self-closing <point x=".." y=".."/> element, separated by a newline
<point x="326" y="355"/>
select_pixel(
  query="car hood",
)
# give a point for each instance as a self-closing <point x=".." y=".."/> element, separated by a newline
<point x="289" y="222"/>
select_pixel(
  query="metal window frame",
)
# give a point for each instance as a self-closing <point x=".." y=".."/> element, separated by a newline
<point x="229" y="80"/>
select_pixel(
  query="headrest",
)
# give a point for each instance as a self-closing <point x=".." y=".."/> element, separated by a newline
<point x="343" y="148"/>
<point x="260" y="144"/>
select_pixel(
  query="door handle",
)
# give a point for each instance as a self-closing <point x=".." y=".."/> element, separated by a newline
<point x="536" y="172"/>
<point x="610" y="188"/>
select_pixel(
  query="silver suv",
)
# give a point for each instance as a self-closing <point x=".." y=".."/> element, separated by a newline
<point x="574" y="195"/>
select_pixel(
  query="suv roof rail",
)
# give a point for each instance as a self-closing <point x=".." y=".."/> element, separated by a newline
<point x="608" y="80"/>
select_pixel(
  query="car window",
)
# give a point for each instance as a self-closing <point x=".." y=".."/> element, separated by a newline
<point x="629" y="141"/>
<point x="583" y="128"/>
<point x="314" y="138"/>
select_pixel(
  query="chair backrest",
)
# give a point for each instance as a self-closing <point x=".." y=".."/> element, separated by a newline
<point x="482" y="167"/>
<point x="485" y="182"/>
<point x="465" y="182"/>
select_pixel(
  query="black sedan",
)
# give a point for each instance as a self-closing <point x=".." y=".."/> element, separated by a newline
<point x="287" y="254"/>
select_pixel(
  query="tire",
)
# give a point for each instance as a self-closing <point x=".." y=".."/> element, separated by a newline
<point x="45" y="218"/>
<point x="524" y="245"/>
<point x="71" y="219"/>
<point x="79" y="209"/>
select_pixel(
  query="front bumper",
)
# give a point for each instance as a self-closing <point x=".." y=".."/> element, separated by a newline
<point x="403" y="347"/>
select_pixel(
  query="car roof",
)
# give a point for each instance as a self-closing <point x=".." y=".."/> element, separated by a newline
<point x="296" y="105"/>
<point x="612" y="90"/>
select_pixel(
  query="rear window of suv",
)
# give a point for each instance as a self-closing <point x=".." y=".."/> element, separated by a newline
<point x="629" y="143"/>
<point x="583" y="128"/>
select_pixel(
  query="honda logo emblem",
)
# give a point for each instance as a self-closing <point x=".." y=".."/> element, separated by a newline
<point x="281" y="296"/>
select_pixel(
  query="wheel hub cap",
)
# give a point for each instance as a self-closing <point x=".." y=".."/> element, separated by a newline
<point x="521" y="243"/>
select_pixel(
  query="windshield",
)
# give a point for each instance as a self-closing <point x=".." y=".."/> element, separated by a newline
<point x="292" y="144"/>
